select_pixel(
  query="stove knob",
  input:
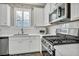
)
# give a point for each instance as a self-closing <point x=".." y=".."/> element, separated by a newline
<point x="49" y="47"/>
<point x="59" y="41"/>
<point x="44" y="42"/>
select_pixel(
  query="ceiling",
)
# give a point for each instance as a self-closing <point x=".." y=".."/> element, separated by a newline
<point x="38" y="4"/>
<point x="27" y="4"/>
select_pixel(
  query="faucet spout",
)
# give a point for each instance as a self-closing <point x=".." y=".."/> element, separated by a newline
<point x="22" y="31"/>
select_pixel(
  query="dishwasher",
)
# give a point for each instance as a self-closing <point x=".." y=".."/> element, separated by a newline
<point x="4" y="46"/>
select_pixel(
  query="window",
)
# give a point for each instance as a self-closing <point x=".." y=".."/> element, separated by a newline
<point x="23" y="18"/>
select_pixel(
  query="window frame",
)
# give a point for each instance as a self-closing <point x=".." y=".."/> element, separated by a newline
<point x="22" y="9"/>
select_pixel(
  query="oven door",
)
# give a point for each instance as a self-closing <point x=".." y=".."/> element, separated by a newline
<point x="46" y="53"/>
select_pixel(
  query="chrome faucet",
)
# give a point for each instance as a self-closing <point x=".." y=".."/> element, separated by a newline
<point x="22" y="31"/>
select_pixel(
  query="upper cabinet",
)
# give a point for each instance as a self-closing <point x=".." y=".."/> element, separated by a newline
<point x="46" y="14"/>
<point x="74" y="11"/>
<point x="38" y="16"/>
<point x="52" y="7"/>
<point x="4" y="14"/>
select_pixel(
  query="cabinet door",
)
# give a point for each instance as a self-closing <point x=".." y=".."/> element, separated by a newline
<point x="19" y="45"/>
<point x="4" y="14"/>
<point x="38" y="16"/>
<point x="46" y="14"/>
<point x="35" y="44"/>
<point x="14" y="46"/>
<point x="74" y="11"/>
<point x="24" y="44"/>
<point x="52" y="7"/>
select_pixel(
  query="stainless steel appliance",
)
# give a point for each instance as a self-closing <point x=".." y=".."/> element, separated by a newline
<point x="60" y="13"/>
<point x="63" y="36"/>
<point x="4" y="46"/>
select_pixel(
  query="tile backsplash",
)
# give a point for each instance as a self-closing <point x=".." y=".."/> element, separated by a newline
<point x="52" y="29"/>
<point x="5" y="30"/>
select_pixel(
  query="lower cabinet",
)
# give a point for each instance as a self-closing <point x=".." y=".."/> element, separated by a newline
<point x="35" y="43"/>
<point x="28" y="44"/>
<point x="67" y="50"/>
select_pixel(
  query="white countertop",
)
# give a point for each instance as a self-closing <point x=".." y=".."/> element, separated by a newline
<point x="49" y="35"/>
<point x="6" y="35"/>
<point x="26" y="35"/>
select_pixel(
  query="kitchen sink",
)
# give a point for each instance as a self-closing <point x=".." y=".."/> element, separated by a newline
<point x="20" y="34"/>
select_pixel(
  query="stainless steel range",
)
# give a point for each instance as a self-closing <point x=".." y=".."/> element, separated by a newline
<point x="63" y="36"/>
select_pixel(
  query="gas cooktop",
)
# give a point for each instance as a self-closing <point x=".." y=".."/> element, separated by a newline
<point x="65" y="41"/>
<point x="57" y="40"/>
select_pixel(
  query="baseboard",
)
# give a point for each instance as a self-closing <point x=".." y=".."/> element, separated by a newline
<point x="24" y="53"/>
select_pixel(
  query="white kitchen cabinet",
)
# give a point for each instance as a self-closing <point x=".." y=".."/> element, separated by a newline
<point x="46" y="14"/>
<point x="18" y="45"/>
<point x="48" y="9"/>
<point x="35" y="44"/>
<point x="74" y="11"/>
<point x="52" y="7"/>
<point x="4" y="14"/>
<point x="67" y="50"/>
<point x="38" y="16"/>
<point x="13" y="45"/>
<point x="24" y="44"/>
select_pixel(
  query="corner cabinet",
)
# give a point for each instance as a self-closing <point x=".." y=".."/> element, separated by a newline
<point x="74" y="11"/>
<point x="4" y="14"/>
<point x="24" y="44"/>
<point x="38" y="16"/>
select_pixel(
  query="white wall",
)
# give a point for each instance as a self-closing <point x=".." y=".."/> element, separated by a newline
<point x="52" y="29"/>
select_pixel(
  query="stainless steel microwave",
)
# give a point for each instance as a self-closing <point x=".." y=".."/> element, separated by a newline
<point x="61" y="12"/>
